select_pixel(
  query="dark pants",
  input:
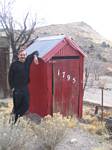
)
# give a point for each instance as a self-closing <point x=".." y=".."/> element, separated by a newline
<point x="20" y="102"/>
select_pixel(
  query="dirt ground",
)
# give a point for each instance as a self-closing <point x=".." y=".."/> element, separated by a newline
<point x="78" y="139"/>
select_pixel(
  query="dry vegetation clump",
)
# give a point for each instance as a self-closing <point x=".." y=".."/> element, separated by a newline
<point x="27" y="135"/>
<point x="14" y="136"/>
<point x="93" y="123"/>
<point x="52" y="129"/>
<point x="95" y="126"/>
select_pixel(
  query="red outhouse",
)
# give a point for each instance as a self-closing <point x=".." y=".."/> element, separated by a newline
<point x="56" y="83"/>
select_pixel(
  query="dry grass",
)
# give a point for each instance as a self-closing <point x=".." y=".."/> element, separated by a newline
<point x="93" y="123"/>
<point x="95" y="127"/>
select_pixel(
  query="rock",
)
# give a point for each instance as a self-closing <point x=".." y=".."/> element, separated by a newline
<point x="73" y="140"/>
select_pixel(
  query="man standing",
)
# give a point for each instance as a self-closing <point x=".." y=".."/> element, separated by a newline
<point x="18" y="81"/>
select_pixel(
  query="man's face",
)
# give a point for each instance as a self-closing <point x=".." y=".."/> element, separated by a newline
<point x="22" y="56"/>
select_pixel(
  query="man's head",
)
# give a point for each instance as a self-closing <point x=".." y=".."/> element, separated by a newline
<point x="22" y="54"/>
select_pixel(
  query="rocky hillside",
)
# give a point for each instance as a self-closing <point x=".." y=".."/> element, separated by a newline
<point x="79" y="31"/>
<point x="93" y="44"/>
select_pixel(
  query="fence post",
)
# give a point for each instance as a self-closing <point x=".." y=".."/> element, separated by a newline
<point x="102" y="84"/>
<point x="102" y="90"/>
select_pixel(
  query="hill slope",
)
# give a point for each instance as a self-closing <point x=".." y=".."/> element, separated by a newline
<point x="81" y="32"/>
<point x="97" y="47"/>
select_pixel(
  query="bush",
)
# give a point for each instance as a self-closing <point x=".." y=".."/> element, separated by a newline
<point x="14" y="136"/>
<point x="27" y="135"/>
<point x="52" y="129"/>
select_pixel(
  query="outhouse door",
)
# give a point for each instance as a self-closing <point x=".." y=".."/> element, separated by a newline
<point x="66" y="84"/>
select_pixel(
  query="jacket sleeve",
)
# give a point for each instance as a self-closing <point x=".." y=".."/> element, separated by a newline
<point x="30" y="58"/>
<point x="10" y="77"/>
<point x="28" y="62"/>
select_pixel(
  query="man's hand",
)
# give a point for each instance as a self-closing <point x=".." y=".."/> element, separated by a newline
<point x="36" y="61"/>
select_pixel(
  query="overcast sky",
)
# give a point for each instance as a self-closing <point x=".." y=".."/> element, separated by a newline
<point x="96" y="13"/>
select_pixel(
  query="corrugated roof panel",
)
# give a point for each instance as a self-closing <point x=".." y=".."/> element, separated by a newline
<point x="44" y="45"/>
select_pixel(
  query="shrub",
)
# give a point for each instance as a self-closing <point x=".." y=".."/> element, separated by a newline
<point x="52" y="129"/>
<point x="14" y="136"/>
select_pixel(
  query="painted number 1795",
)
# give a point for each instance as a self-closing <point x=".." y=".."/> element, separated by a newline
<point x="66" y="76"/>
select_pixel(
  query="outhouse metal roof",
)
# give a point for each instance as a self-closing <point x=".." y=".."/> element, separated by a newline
<point x="44" y="44"/>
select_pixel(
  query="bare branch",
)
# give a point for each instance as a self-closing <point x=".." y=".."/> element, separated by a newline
<point x="24" y="29"/>
<point x="16" y="38"/>
<point x="27" y="36"/>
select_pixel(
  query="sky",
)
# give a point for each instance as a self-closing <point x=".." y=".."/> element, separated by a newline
<point x="96" y="13"/>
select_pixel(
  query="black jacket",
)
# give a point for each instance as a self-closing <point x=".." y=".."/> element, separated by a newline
<point x="19" y="72"/>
